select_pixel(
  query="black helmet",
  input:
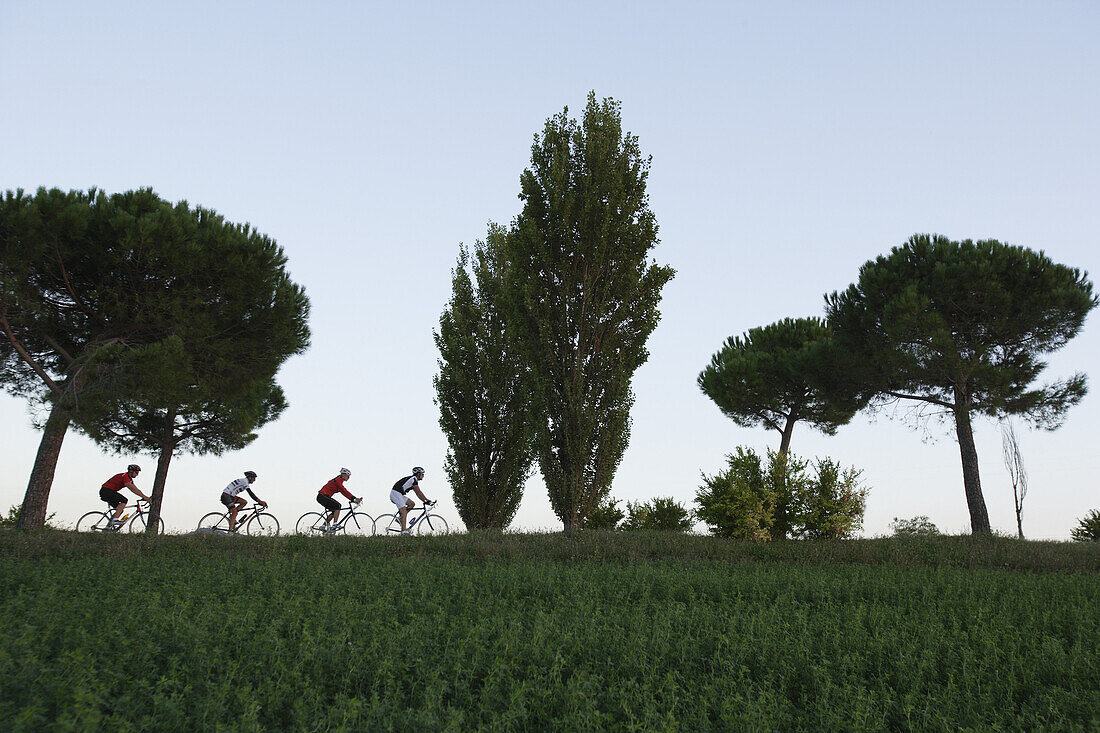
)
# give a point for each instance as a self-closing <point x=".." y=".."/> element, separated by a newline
<point x="417" y="469"/>
<point x="134" y="467"/>
<point x="250" y="475"/>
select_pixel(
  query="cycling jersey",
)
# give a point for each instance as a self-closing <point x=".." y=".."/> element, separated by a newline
<point x="405" y="485"/>
<point x="336" y="484"/>
<point x="237" y="486"/>
<point x="117" y="481"/>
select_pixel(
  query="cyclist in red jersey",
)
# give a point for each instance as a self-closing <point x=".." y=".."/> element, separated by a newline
<point x="324" y="496"/>
<point x="110" y="491"/>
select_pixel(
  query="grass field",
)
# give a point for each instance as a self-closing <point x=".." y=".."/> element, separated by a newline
<point x="590" y="632"/>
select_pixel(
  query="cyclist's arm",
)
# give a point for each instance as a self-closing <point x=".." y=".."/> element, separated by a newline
<point x="420" y="493"/>
<point x="348" y="494"/>
<point x="136" y="490"/>
<point x="255" y="498"/>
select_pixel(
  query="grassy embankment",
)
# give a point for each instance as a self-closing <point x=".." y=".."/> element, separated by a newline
<point x="529" y="631"/>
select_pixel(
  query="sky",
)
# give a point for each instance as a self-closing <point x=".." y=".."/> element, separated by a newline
<point x="790" y="143"/>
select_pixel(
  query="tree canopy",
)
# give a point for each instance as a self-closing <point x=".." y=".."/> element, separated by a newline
<point x="584" y="295"/>
<point x="777" y="375"/>
<point x="963" y="326"/>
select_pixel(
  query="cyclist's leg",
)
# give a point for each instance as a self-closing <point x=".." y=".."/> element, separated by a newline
<point x="238" y="504"/>
<point x="409" y="504"/>
<point x="115" y="499"/>
<point x="332" y="507"/>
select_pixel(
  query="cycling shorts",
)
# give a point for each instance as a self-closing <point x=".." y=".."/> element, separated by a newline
<point x="327" y="502"/>
<point x="399" y="499"/>
<point x="111" y="496"/>
<point x="228" y="499"/>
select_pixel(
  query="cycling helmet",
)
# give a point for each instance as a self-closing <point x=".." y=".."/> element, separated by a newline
<point x="250" y="474"/>
<point x="345" y="472"/>
<point x="417" y="470"/>
<point x="134" y="467"/>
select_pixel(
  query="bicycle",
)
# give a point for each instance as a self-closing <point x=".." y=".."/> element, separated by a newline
<point x="425" y="522"/>
<point x="256" y="523"/>
<point x="352" y="522"/>
<point x="134" y="521"/>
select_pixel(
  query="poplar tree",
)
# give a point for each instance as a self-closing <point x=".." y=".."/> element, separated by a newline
<point x="963" y="326"/>
<point x="482" y="392"/>
<point x="584" y="294"/>
<point x="777" y="375"/>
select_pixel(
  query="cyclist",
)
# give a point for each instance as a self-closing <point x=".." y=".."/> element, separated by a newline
<point x="404" y="486"/>
<point x="110" y="492"/>
<point x="324" y="497"/>
<point x="234" y="502"/>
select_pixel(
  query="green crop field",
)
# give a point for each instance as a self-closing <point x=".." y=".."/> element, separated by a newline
<point x="522" y="632"/>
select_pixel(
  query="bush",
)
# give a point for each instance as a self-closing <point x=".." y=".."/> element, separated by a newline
<point x="1088" y="529"/>
<point x="607" y="515"/>
<point x="661" y="514"/>
<point x="782" y="500"/>
<point x="738" y="502"/>
<point x="920" y="526"/>
<point x="12" y="519"/>
<point x="831" y="505"/>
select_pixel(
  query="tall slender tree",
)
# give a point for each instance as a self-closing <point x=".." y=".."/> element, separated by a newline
<point x="482" y="392"/>
<point x="777" y="375"/>
<point x="963" y="326"/>
<point x="584" y="294"/>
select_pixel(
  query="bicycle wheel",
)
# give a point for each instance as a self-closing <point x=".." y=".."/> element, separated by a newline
<point x="262" y="525"/>
<point x="359" y="524"/>
<point x="387" y="524"/>
<point x="214" y="521"/>
<point x="431" y="524"/>
<point x="138" y="523"/>
<point x="93" y="522"/>
<point x="311" y="523"/>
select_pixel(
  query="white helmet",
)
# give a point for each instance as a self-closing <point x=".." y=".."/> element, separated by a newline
<point x="345" y="472"/>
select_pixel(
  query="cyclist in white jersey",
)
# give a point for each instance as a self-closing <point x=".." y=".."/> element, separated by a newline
<point x="234" y="501"/>
<point x="402" y="487"/>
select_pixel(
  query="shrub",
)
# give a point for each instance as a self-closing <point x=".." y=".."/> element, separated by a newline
<point x="831" y="505"/>
<point x="1088" y="529"/>
<point x="920" y="526"/>
<point x="738" y="502"/>
<point x="12" y="519"/>
<point x="662" y="514"/>
<point x="782" y="500"/>
<point x="607" y="515"/>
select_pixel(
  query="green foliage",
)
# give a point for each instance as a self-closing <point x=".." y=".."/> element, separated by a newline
<point x="738" y="502"/>
<point x="153" y="326"/>
<point x="12" y="519"/>
<point x="919" y="526"/>
<point x="777" y="375"/>
<point x="782" y="499"/>
<point x="963" y="326"/>
<point x="583" y="297"/>
<point x="519" y="632"/>
<point x="483" y="392"/>
<point x="606" y="516"/>
<point x="832" y="506"/>
<point x="1088" y="529"/>
<point x="663" y="514"/>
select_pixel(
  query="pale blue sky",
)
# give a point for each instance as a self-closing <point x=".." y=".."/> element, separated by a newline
<point x="791" y="142"/>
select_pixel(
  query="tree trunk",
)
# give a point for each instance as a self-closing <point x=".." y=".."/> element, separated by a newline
<point x="1020" y="520"/>
<point x="33" y="513"/>
<point x="167" y="448"/>
<point x="785" y="441"/>
<point x="979" y="517"/>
